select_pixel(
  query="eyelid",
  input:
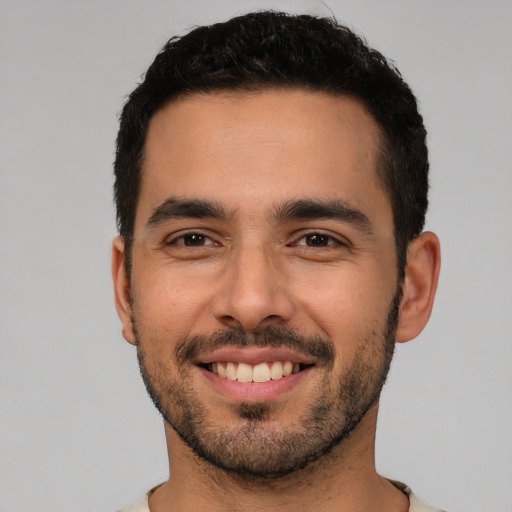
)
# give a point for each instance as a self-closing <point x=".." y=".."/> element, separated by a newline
<point x="180" y="235"/>
<point x="337" y="238"/>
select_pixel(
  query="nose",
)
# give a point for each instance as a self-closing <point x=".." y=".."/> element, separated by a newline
<point x="253" y="292"/>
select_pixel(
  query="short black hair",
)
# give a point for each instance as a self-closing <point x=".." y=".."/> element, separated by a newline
<point x="269" y="50"/>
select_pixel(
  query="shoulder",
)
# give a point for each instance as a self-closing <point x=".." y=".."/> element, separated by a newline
<point x="415" y="504"/>
<point x="141" y="505"/>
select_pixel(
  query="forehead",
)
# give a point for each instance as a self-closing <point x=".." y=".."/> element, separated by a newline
<point x="267" y="146"/>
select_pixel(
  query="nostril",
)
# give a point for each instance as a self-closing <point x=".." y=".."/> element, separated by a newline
<point x="230" y="320"/>
<point x="252" y="310"/>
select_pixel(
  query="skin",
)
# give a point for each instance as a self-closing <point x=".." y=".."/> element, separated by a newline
<point x="251" y="153"/>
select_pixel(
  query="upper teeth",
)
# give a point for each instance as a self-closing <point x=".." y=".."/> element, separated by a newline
<point x="261" y="372"/>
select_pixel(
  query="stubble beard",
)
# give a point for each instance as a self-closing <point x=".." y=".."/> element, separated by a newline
<point x="254" y="448"/>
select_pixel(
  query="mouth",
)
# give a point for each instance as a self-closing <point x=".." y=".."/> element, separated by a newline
<point x="254" y="373"/>
<point x="257" y="373"/>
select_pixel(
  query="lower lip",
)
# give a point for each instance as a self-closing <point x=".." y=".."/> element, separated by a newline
<point x="254" y="391"/>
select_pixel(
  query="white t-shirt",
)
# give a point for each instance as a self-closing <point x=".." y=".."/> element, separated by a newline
<point x="415" y="504"/>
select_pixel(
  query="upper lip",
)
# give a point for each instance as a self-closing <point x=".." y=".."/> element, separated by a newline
<point x="253" y="356"/>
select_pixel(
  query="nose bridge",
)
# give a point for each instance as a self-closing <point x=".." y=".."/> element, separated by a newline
<point x="253" y="292"/>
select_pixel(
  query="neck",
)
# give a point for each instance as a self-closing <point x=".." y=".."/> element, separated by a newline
<point x="343" y="480"/>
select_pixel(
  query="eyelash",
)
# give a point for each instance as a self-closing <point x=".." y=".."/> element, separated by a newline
<point x="331" y="240"/>
<point x="175" y="240"/>
<point x="181" y="240"/>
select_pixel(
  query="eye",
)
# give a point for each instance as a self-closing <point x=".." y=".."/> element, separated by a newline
<point x="317" y="240"/>
<point x="191" y="240"/>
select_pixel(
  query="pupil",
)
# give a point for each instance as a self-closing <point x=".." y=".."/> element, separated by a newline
<point x="317" y="240"/>
<point x="191" y="240"/>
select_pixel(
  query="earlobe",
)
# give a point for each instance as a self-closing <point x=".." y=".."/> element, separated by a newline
<point x="420" y="284"/>
<point x="122" y="290"/>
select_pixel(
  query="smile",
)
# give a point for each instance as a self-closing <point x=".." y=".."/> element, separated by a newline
<point x="254" y="373"/>
<point x="261" y="372"/>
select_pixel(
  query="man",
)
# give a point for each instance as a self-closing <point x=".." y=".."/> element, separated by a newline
<point x="271" y="189"/>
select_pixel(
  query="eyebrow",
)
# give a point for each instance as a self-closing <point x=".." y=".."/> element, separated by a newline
<point x="308" y="209"/>
<point x="301" y="209"/>
<point x="175" y="208"/>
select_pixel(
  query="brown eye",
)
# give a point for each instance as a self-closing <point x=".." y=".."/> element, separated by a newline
<point x="195" y="240"/>
<point x="191" y="240"/>
<point x="317" y="240"/>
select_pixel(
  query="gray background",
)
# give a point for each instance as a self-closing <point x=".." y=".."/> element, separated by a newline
<point x="77" y="431"/>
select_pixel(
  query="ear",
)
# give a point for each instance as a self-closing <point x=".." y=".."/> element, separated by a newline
<point x="122" y="289"/>
<point x="420" y="284"/>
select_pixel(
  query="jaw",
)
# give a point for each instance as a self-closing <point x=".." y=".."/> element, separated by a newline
<point x="354" y="455"/>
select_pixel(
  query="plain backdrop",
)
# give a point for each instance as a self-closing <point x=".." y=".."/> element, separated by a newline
<point x="77" y="431"/>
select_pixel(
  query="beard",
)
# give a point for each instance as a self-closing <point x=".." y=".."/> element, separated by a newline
<point x="255" y="446"/>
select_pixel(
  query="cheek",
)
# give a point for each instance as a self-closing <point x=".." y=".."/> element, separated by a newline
<point x="347" y="303"/>
<point x="168" y="304"/>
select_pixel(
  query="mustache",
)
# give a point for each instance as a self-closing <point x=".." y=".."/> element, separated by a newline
<point x="319" y="348"/>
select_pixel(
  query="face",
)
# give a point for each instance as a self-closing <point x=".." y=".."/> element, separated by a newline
<point x="263" y="285"/>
